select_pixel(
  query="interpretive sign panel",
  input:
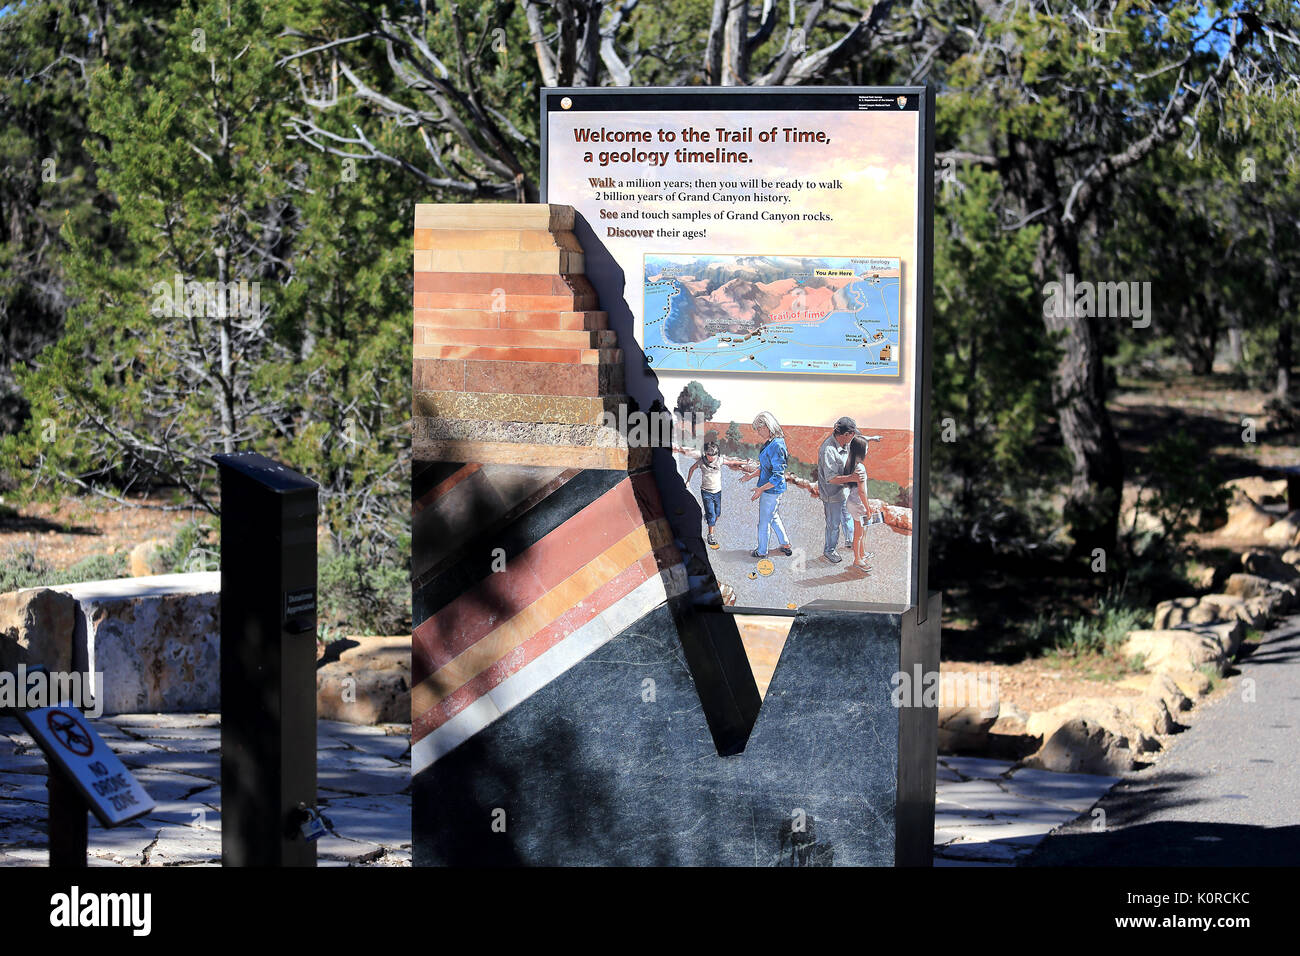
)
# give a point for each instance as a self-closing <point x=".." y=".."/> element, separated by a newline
<point x="764" y="256"/>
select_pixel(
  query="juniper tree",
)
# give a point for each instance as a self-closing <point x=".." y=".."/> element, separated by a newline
<point x="177" y="347"/>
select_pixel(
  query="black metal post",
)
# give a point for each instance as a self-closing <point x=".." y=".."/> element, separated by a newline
<point x="268" y="661"/>
<point x="68" y="825"/>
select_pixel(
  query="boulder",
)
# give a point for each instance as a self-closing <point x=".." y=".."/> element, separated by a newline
<point x="1229" y="634"/>
<point x="1247" y="521"/>
<point x="1257" y="612"/>
<point x="1254" y="612"/>
<point x="145" y="558"/>
<point x="1259" y="489"/>
<point x="1265" y="564"/>
<point x="155" y="640"/>
<point x="1292" y="557"/>
<point x="1193" y="684"/>
<point x="968" y="708"/>
<point x="1283" y="532"/>
<point x="1247" y="585"/>
<point x="1096" y="712"/>
<point x="1166" y="688"/>
<point x="1265" y="598"/>
<point x="1176" y="650"/>
<point x="365" y="680"/>
<point x="893" y="516"/>
<point x="1080" y="745"/>
<point x="1150" y="714"/>
<point x="899" y="518"/>
<point x="1181" y="612"/>
<point x="36" y="627"/>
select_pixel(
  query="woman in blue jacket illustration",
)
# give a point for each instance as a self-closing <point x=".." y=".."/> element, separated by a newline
<point x="771" y="484"/>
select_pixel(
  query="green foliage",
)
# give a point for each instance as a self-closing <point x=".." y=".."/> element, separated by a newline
<point x="1182" y="488"/>
<point x="991" y="396"/>
<point x="48" y="179"/>
<point x="361" y="597"/>
<point x="174" y="156"/>
<point x="196" y="546"/>
<point x="97" y="567"/>
<point x="21" y="568"/>
<point x="695" y="404"/>
<point x="732" y="440"/>
<point x="886" y="491"/>
<point x="1100" y="633"/>
<point x="306" y="361"/>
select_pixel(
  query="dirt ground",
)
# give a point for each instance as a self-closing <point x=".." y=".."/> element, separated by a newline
<point x="1217" y="411"/>
<point x="76" y="528"/>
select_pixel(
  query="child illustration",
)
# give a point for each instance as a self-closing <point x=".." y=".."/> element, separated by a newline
<point x="710" y="466"/>
<point x="855" y="476"/>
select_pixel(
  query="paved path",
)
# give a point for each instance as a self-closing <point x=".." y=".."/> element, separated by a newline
<point x="363" y="778"/>
<point x="988" y="813"/>
<point x="804" y="520"/>
<point x="1226" y="792"/>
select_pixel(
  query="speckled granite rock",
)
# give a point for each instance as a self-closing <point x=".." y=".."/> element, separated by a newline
<point x="156" y="641"/>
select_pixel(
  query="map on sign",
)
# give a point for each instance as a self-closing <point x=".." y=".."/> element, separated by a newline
<point x="828" y="314"/>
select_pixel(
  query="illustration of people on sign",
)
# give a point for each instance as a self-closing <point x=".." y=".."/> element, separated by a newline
<point x="854" y="478"/>
<point x="710" y="467"/>
<point x="831" y="458"/>
<point x="772" y="458"/>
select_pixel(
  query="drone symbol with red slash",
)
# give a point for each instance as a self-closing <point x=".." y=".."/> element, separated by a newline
<point x="70" y="733"/>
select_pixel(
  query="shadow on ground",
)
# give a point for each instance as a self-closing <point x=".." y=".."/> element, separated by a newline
<point x="1173" y="843"/>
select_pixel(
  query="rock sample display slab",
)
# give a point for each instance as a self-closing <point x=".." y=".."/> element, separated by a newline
<point x="156" y="641"/>
<point x="613" y="762"/>
<point x="513" y="364"/>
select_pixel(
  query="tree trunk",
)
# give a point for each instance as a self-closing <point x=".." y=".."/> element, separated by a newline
<point x="1236" y="349"/>
<point x="713" y="49"/>
<point x="227" y="407"/>
<point x="1282" y="289"/>
<point x="735" y="49"/>
<point x="1283" y="355"/>
<point x="1091" y="511"/>
<point x="1079" y="392"/>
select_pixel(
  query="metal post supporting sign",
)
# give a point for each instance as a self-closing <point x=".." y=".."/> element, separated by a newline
<point x="83" y="774"/>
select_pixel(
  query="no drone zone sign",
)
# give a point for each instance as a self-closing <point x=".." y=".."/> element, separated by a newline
<point x="72" y="746"/>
